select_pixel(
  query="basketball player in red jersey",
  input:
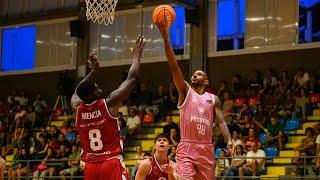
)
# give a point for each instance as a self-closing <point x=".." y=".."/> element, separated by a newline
<point x="157" y="167"/>
<point x="97" y="123"/>
<point x="198" y="111"/>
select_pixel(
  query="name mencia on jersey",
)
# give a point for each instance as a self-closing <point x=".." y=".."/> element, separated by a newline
<point x="91" y="115"/>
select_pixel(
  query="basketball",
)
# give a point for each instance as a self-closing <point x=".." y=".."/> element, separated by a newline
<point x="164" y="13"/>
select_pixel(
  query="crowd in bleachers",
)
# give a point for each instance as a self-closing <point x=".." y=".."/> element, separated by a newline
<point x="258" y="111"/>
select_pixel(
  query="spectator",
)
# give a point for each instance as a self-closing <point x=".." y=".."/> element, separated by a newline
<point x="286" y="104"/>
<point x="31" y="116"/>
<point x="23" y="99"/>
<point x="73" y="163"/>
<point x="268" y="75"/>
<point x="145" y="156"/>
<point x="15" y="164"/>
<point x="236" y="140"/>
<point x="255" y="162"/>
<point x="247" y="125"/>
<point x="236" y="162"/>
<point x="138" y="157"/>
<point x="2" y="167"/>
<point x="285" y="79"/>
<point x="306" y="147"/>
<point x="301" y="79"/>
<point x="133" y="122"/>
<point x="40" y="105"/>
<point x="236" y="85"/>
<point x="173" y="96"/>
<point x="144" y="98"/>
<point x="250" y="140"/>
<point x="275" y="133"/>
<point x="260" y="115"/>
<point x="222" y="163"/>
<point x="170" y="125"/>
<point x="172" y="155"/>
<point x="22" y="167"/>
<point x="123" y="130"/>
<point x="243" y="112"/>
<point x="123" y="111"/>
<point x="227" y="107"/>
<point x="174" y="137"/>
<point x="223" y="88"/>
<point x="255" y="82"/>
<point x="301" y="105"/>
<point x="45" y="169"/>
<point x="160" y="98"/>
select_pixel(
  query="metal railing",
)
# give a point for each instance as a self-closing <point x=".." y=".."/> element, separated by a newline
<point x="303" y="167"/>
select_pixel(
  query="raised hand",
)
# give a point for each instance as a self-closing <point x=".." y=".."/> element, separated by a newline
<point x="162" y="26"/>
<point x="93" y="61"/>
<point x="168" y="168"/>
<point x="138" y="47"/>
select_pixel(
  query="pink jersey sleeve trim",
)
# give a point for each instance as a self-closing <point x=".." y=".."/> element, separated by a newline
<point x="105" y="103"/>
<point x="185" y="99"/>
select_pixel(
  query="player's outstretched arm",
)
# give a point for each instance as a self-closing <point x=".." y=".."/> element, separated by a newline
<point x="177" y="75"/>
<point x="94" y="66"/>
<point x="143" y="170"/>
<point x="116" y="97"/>
<point x="222" y="123"/>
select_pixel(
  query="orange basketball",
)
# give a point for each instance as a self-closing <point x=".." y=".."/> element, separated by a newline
<point x="164" y="13"/>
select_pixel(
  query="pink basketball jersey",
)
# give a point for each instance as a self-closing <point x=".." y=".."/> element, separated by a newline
<point x="197" y="116"/>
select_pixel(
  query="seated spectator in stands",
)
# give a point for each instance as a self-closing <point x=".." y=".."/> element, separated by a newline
<point x="254" y="81"/>
<point x="236" y="162"/>
<point x="133" y="122"/>
<point x="275" y="133"/>
<point x="145" y="156"/>
<point x="285" y="80"/>
<point x="223" y="88"/>
<point x="286" y="104"/>
<point x="253" y="167"/>
<point x="260" y="115"/>
<point x="73" y="163"/>
<point x="31" y="116"/>
<point x="237" y="87"/>
<point x="174" y="95"/>
<point x="160" y="98"/>
<point x="53" y="133"/>
<point x="144" y="98"/>
<point x="301" y="80"/>
<point x="170" y="124"/>
<point x="236" y="140"/>
<point x="123" y="112"/>
<point x="243" y="112"/>
<point x="227" y="107"/>
<point x="318" y="152"/>
<point x="247" y="125"/>
<point x="306" y="147"/>
<point x="250" y="140"/>
<point x="44" y="145"/>
<point x="268" y="76"/>
<point x="172" y="155"/>
<point x="22" y="99"/>
<point x="174" y="137"/>
<point x="20" y="114"/>
<point x="267" y="88"/>
<point x="138" y="157"/>
<point x="4" y="108"/>
<point x="14" y="166"/>
<point x="18" y="138"/>
<point x="123" y="130"/>
<point x="22" y="169"/>
<point x="301" y="105"/>
<point x="45" y="168"/>
<point x="40" y="105"/>
<point x="222" y="163"/>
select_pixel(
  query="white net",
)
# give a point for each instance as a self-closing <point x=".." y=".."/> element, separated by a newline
<point x="101" y="11"/>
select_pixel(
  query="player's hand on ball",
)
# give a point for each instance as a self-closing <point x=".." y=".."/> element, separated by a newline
<point x="168" y="168"/>
<point x="138" y="47"/>
<point x="93" y="61"/>
<point x="162" y="26"/>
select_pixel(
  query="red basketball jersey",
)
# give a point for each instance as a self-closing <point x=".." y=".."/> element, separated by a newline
<point x="156" y="172"/>
<point x="99" y="132"/>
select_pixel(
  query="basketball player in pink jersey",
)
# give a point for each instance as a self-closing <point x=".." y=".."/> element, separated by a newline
<point x="198" y="111"/>
<point x="158" y="167"/>
<point x="97" y="123"/>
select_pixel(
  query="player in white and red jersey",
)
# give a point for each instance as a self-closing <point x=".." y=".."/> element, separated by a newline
<point x="97" y="123"/>
<point x="198" y="111"/>
<point x="157" y="167"/>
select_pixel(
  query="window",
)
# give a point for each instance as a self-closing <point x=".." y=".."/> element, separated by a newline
<point x="309" y="21"/>
<point x="230" y="24"/>
<point x="18" y="48"/>
<point x="177" y="31"/>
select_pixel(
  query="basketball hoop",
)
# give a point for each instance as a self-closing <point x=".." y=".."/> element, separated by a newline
<point x="101" y="11"/>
